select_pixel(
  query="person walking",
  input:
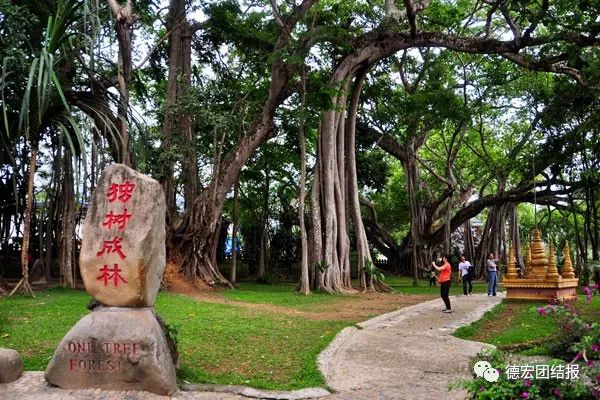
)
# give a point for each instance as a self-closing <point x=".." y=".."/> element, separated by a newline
<point x="492" y="267"/>
<point x="445" y="279"/>
<point x="432" y="277"/>
<point x="465" y="275"/>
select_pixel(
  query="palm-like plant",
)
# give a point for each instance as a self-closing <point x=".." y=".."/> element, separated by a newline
<point x="45" y="109"/>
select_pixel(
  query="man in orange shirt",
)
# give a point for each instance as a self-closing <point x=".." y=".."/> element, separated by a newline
<point x="445" y="274"/>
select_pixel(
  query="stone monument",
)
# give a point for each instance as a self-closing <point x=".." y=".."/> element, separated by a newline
<point x="120" y="345"/>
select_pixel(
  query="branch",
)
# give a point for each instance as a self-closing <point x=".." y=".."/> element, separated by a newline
<point x="534" y="24"/>
<point x="392" y="12"/>
<point x="515" y="30"/>
<point x="277" y="14"/>
<point x="376" y="227"/>
<point x="549" y="65"/>
<point x="291" y="22"/>
<point x="115" y="8"/>
<point x="152" y="50"/>
<point x="432" y="172"/>
<point x="519" y="194"/>
<point x="411" y="15"/>
<point x="384" y="140"/>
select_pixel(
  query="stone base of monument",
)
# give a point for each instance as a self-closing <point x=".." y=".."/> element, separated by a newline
<point x="114" y="348"/>
<point x="541" y="289"/>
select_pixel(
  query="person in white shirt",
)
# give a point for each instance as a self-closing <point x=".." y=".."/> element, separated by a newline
<point x="465" y="274"/>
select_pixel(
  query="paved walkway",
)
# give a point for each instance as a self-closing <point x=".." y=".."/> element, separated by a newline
<point x="405" y="354"/>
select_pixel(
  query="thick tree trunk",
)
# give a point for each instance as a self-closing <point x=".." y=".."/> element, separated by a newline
<point x="24" y="282"/>
<point x="304" y="284"/>
<point x="419" y="217"/>
<point x="196" y="240"/>
<point x="124" y="26"/>
<point x="50" y="219"/>
<point x="515" y="237"/>
<point x="264" y="231"/>
<point x="67" y="275"/>
<point x="194" y="237"/>
<point x="447" y="225"/>
<point x="335" y="242"/>
<point x="469" y="249"/>
<point x="190" y="161"/>
<point x="316" y="232"/>
<point x="178" y="123"/>
<point x="491" y="237"/>
<point x="362" y="246"/>
<point x="234" y="235"/>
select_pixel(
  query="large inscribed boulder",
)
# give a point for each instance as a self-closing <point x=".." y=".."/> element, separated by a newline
<point x="122" y="258"/>
<point x="114" y="348"/>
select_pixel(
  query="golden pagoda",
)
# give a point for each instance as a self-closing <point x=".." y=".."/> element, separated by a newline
<point x="541" y="280"/>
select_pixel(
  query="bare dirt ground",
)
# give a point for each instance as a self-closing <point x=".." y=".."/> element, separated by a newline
<point x="350" y="308"/>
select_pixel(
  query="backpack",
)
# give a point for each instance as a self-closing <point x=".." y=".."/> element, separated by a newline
<point x="472" y="270"/>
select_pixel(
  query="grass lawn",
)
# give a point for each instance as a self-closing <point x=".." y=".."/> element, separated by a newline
<point x="515" y="322"/>
<point x="282" y="294"/>
<point x="218" y="343"/>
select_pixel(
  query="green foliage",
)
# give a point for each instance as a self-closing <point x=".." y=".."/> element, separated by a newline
<point x="537" y="389"/>
<point x="173" y="331"/>
<point x="524" y="323"/>
<point x="372" y="169"/>
<point x="577" y="334"/>
<point x="391" y="203"/>
<point x="322" y="266"/>
<point x="577" y="341"/>
<point x="372" y="272"/>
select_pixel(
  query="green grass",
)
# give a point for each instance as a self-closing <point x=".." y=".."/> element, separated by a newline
<point x="519" y="322"/>
<point x="497" y="328"/>
<point x="34" y="327"/>
<point x="280" y="294"/>
<point x="404" y="285"/>
<point x="218" y="343"/>
<point x="239" y="346"/>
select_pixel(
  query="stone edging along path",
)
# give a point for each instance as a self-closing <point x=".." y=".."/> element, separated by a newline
<point x="406" y="354"/>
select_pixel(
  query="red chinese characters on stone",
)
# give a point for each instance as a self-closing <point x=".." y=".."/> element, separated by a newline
<point x="112" y="246"/>
<point x="120" y="220"/>
<point x="116" y="192"/>
<point x="107" y="275"/>
<point x="121" y="192"/>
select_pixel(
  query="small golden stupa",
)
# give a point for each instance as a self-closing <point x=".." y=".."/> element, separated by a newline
<point x="541" y="280"/>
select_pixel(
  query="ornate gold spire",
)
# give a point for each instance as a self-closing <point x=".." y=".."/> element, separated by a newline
<point x="539" y="262"/>
<point x="511" y="270"/>
<point x="552" y="270"/>
<point x="567" y="271"/>
<point x="527" y="259"/>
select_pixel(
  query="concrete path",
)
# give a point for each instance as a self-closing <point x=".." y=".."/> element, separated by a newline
<point x="405" y="354"/>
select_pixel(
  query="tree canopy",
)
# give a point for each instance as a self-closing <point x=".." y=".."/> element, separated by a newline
<point x="402" y="124"/>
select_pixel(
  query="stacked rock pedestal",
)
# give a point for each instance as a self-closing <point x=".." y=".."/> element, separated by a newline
<point x="120" y="345"/>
